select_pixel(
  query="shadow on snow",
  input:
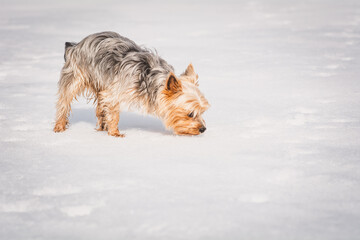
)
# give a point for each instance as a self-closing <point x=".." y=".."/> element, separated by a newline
<point x="127" y="120"/>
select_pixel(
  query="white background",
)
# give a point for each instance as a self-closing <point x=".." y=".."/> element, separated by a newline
<point x="280" y="158"/>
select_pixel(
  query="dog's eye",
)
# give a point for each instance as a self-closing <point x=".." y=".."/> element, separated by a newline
<point x="191" y="115"/>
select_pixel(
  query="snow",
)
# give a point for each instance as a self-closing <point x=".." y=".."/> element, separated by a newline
<point x="279" y="159"/>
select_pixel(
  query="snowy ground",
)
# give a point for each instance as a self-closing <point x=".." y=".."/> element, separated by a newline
<point x="280" y="158"/>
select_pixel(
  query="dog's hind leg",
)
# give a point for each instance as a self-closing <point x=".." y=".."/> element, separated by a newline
<point x="69" y="88"/>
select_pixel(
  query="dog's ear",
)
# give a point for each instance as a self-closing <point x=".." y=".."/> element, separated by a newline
<point x="190" y="70"/>
<point x="172" y="84"/>
<point x="191" y="75"/>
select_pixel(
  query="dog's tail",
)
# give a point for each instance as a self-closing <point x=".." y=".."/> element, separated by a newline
<point x="68" y="46"/>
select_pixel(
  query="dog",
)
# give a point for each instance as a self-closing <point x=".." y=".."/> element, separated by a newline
<point x="120" y="75"/>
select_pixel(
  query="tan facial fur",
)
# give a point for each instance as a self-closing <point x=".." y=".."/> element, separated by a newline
<point x="184" y="104"/>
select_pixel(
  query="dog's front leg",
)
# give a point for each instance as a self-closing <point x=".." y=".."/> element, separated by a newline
<point x="112" y="120"/>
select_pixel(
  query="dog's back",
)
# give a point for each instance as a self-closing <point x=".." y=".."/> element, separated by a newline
<point x="108" y="56"/>
<point x="99" y="49"/>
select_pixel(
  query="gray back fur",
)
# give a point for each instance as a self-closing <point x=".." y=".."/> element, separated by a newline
<point x="109" y="59"/>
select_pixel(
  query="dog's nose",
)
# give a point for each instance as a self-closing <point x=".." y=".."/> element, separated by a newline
<point x="202" y="129"/>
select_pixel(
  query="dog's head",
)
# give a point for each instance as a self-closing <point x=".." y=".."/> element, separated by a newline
<point x="183" y="103"/>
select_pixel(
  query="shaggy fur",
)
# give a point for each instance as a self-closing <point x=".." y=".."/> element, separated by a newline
<point x="120" y="75"/>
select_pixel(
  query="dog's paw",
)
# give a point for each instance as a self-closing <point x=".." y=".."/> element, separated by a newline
<point x="116" y="134"/>
<point x="119" y="135"/>
<point x="59" y="128"/>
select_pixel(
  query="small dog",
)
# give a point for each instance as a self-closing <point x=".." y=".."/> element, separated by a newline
<point x="120" y="75"/>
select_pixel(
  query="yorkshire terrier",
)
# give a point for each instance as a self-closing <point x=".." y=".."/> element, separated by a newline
<point x="120" y="75"/>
